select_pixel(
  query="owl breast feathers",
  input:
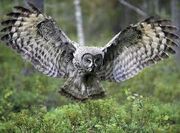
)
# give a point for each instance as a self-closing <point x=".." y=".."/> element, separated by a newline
<point x="37" y="38"/>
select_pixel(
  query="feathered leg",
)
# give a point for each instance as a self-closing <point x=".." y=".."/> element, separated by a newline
<point x="82" y="87"/>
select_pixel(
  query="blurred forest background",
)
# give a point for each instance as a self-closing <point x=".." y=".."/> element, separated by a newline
<point x="149" y="102"/>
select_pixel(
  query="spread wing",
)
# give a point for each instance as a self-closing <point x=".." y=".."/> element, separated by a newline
<point x="38" y="39"/>
<point x="136" y="47"/>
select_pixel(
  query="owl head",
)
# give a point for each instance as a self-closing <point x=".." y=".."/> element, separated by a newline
<point x="89" y="59"/>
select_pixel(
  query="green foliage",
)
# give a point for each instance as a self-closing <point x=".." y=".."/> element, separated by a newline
<point x="137" y="115"/>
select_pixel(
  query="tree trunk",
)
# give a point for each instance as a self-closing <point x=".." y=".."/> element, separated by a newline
<point x="175" y="12"/>
<point x="156" y="7"/>
<point x="79" y="22"/>
<point x="37" y="3"/>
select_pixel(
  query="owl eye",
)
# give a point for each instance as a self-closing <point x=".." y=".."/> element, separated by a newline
<point x="88" y="60"/>
<point x="98" y="60"/>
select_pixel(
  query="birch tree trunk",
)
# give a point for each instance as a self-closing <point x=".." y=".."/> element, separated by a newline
<point x="79" y="22"/>
<point x="175" y="11"/>
<point x="37" y="3"/>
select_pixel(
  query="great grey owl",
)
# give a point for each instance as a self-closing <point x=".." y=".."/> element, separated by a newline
<point x="39" y="40"/>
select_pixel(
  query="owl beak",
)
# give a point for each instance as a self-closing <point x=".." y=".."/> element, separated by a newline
<point x="91" y="68"/>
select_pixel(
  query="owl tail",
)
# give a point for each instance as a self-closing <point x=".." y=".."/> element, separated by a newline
<point x="82" y="88"/>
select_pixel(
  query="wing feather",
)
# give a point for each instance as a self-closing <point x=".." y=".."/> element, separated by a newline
<point x="38" y="39"/>
<point x="136" y="47"/>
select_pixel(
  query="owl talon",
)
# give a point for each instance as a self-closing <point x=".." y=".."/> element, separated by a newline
<point x="81" y="98"/>
<point x="71" y="96"/>
<point x="98" y="96"/>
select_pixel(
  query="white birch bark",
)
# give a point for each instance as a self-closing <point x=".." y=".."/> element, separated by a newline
<point x="79" y="22"/>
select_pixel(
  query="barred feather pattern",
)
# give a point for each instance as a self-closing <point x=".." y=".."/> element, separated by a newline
<point x="38" y="39"/>
<point x="136" y="47"/>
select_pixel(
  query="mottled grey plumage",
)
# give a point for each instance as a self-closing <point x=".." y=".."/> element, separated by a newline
<point x="38" y="39"/>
